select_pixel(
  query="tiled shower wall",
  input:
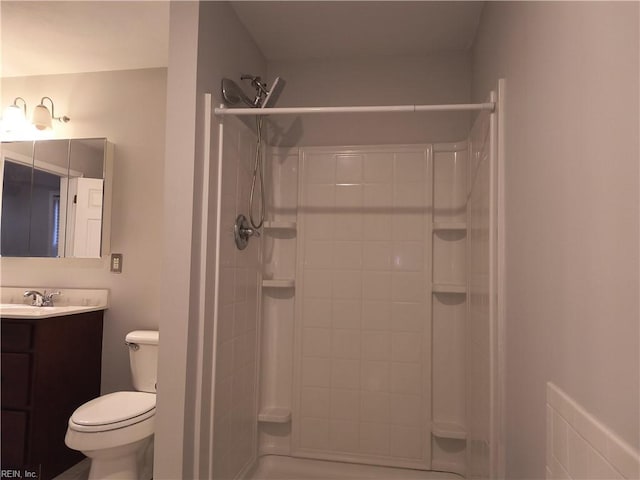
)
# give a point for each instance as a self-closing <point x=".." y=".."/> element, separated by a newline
<point x="362" y="388"/>
<point x="579" y="446"/>
<point x="235" y="419"/>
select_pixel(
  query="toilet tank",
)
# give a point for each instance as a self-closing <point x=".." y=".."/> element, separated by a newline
<point x="143" y="358"/>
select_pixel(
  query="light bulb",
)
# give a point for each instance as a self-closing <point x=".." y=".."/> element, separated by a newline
<point x="13" y="119"/>
<point x="41" y="118"/>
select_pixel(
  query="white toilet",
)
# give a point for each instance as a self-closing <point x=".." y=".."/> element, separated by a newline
<point x="116" y="430"/>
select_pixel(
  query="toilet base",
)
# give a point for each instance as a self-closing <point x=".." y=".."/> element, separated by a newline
<point x="133" y="461"/>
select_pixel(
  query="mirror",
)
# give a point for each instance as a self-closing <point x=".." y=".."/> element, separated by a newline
<point x="54" y="200"/>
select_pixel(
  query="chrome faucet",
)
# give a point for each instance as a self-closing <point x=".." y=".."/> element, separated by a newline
<point x="41" y="299"/>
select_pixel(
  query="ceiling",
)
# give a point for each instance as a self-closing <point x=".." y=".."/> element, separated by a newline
<point x="50" y="37"/>
<point x="296" y="30"/>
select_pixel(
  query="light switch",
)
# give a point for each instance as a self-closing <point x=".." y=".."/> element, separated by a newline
<point x="116" y="262"/>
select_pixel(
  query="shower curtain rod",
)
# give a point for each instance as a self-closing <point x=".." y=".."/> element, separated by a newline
<point x="222" y="110"/>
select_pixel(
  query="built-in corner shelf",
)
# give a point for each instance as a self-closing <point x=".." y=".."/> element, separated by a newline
<point x="280" y="225"/>
<point x="452" y="466"/>
<point x="449" y="226"/>
<point x="279" y="283"/>
<point x="274" y="415"/>
<point x="448" y="430"/>
<point x="448" y="288"/>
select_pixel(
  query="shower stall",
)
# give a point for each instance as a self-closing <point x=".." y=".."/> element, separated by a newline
<point x="358" y="332"/>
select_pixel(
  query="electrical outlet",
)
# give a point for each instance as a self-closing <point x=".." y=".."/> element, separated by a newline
<point x="116" y="262"/>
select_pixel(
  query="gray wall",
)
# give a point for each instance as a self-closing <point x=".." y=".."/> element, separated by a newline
<point x="572" y="211"/>
<point x="384" y="80"/>
<point x="128" y="108"/>
<point x="207" y="42"/>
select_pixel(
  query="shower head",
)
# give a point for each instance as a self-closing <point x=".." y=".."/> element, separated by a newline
<point x="233" y="94"/>
<point x="274" y="93"/>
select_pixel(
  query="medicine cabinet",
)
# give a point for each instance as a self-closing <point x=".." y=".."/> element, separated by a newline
<point x="56" y="198"/>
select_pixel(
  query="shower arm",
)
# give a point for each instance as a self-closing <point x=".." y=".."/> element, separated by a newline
<point x="261" y="88"/>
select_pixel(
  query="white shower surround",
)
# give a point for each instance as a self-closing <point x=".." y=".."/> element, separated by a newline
<point x="231" y="445"/>
<point x="362" y="390"/>
<point x="273" y="467"/>
<point x="274" y="433"/>
<point x="483" y="340"/>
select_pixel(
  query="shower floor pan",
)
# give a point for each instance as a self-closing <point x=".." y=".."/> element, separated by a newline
<point x="275" y="467"/>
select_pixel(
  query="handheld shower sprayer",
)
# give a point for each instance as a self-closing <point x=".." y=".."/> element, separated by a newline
<point x="264" y="98"/>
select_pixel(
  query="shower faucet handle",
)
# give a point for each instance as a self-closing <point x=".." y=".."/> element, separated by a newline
<point x="242" y="231"/>
<point x="252" y="232"/>
<point x="249" y="232"/>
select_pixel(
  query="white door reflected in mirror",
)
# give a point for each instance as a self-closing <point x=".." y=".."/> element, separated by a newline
<point x="86" y="217"/>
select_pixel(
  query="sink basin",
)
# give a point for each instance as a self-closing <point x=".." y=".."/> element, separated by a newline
<point x="19" y="310"/>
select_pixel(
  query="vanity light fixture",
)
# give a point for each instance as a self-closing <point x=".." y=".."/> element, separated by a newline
<point x="42" y="118"/>
<point x="14" y="118"/>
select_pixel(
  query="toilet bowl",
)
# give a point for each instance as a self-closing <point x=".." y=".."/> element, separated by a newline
<point x="116" y="430"/>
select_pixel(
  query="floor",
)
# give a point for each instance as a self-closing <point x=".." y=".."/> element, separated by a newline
<point x="273" y="467"/>
<point x="80" y="471"/>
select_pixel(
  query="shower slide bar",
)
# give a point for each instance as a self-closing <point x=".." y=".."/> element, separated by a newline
<point x="490" y="106"/>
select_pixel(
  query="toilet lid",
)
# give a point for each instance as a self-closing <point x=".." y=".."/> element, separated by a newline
<point x="115" y="408"/>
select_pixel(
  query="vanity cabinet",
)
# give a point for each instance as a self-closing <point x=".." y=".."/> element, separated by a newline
<point x="50" y="366"/>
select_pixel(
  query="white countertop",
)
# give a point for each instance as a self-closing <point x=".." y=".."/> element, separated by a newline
<point x="11" y="310"/>
<point x="13" y="304"/>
